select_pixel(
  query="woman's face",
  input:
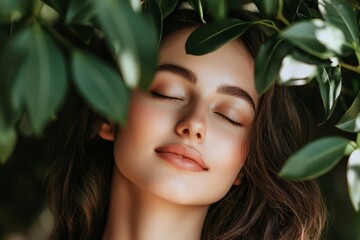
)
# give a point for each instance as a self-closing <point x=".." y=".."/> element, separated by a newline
<point x="186" y="137"/>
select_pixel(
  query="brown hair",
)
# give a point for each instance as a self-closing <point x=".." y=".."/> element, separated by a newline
<point x="264" y="206"/>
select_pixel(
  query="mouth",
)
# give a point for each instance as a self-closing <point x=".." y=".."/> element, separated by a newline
<point x="182" y="156"/>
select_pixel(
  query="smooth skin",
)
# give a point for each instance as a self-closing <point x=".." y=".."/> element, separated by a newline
<point x="206" y="103"/>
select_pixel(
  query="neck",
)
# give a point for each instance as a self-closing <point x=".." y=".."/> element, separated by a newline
<point x="135" y="214"/>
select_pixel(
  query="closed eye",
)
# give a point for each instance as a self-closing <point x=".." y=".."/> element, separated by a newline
<point x="236" y="124"/>
<point x="164" y="97"/>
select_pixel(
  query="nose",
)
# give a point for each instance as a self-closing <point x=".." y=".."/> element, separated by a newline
<point x="192" y="125"/>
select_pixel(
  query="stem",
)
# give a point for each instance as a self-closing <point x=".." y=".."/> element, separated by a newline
<point x="350" y="147"/>
<point x="358" y="139"/>
<point x="350" y="67"/>
<point x="68" y="44"/>
<point x="358" y="57"/>
<point x="280" y="15"/>
<point x="271" y="24"/>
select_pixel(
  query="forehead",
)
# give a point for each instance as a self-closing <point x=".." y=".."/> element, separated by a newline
<point x="231" y="64"/>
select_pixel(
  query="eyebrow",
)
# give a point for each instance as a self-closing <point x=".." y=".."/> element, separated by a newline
<point x="190" y="76"/>
<point x="237" y="92"/>
<point x="180" y="71"/>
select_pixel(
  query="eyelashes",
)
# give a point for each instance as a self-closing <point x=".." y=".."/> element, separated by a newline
<point x="236" y="124"/>
<point x="157" y="95"/>
<point x="164" y="97"/>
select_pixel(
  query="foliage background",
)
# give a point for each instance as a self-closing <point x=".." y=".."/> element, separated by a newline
<point x="43" y="44"/>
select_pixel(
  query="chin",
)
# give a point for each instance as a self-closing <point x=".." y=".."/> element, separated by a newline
<point x="189" y="197"/>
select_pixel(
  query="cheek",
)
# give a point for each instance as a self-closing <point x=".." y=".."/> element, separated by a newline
<point x="231" y="148"/>
<point x="144" y="120"/>
<point x="228" y="157"/>
<point x="132" y="143"/>
<point x="135" y="141"/>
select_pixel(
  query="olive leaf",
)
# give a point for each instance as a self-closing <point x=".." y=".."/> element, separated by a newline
<point x="294" y="72"/>
<point x="13" y="10"/>
<point x="80" y="12"/>
<point x="59" y="6"/>
<point x="353" y="178"/>
<point x="218" y="8"/>
<point x="134" y="38"/>
<point x="268" y="8"/>
<point x="315" y="37"/>
<point x="341" y="14"/>
<point x="209" y="37"/>
<point x="303" y="12"/>
<point x="100" y="85"/>
<point x="154" y="11"/>
<point x="8" y="139"/>
<point x="11" y="60"/>
<point x="330" y="84"/>
<point x="350" y="121"/>
<point x="201" y="7"/>
<point x="167" y="6"/>
<point x="43" y="74"/>
<point x="290" y="9"/>
<point x="268" y="62"/>
<point x="315" y="158"/>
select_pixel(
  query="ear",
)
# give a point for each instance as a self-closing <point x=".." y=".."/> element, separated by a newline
<point x="107" y="131"/>
<point x="238" y="179"/>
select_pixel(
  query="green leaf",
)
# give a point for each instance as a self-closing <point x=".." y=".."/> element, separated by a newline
<point x="209" y="37"/>
<point x="8" y="140"/>
<point x="14" y="54"/>
<point x="58" y="5"/>
<point x="330" y="84"/>
<point x="43" y="76"/>
<point x="295" y="73"/>
<point x="201" y="7"/>
<point x="80" y="12"/>
<point x="100" y="85"/>
<point x="303" y="35"/>
<point x="290" y="9"/>
<point x="315" y="159"/>
<point x="353" y="178"/>
<point x="350" y="121"/>
<point x="48" y="14"/>
<point x="7" y="130"/>
<point x="155" y="12"/>
<point x="341" y="14"/>
<point x="85" y="33"/>
<point x="13" y="10"/>
<point x="303" y="12"/>
<point x="218" y="8"/>
<point x="315" y="13"/>
<point x="310" y="59"/>
<point x="167" y="6"/>
<point x="135" y="39"/>
<point x="268" y="62"/>
<point x="268" y="8"/>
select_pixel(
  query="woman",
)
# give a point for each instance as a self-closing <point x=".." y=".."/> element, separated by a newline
<point x="197" y="159"/>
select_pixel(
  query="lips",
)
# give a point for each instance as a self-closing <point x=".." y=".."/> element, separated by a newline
<point x="182" y="156"/>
